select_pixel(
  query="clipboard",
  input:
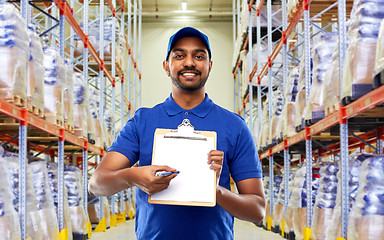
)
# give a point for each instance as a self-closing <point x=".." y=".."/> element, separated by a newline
<point x="186" y="150"/>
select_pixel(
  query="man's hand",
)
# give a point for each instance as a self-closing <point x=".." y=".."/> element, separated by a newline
<point x="149" y="182"/>
<point x="115" y="173"/>
<point x="215" y="158"/>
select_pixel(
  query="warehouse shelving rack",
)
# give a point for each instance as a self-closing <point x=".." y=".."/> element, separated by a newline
<point x="34" y="132"/>
<point x="364" y="107"/>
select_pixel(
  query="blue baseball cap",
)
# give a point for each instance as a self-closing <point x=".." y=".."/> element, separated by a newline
<point x="188" y="32"/>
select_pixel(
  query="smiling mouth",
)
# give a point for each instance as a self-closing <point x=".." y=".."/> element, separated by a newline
<point x="188" y="74"/>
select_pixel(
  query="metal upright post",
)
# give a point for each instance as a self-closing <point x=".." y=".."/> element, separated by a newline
<point x="271" y="99"/>
<point x="258" y="63"/>
<point x="60" y="163"/>
<point x="113" y="63"/>
<point x="139" y="51"/>
<point x="308" y="141"/>
<point x="379" y="140"/>
<point x="250" y="87"/>
<point x="23" y="151"/>
<point x="101" y="83"/>
<point x="85" y="179"/>
<point x="129" y="58"/>
<point x="285" y="79"/>
<point x="85" y="75"/>
<point x="23" y="176"/>
<point x="101" y="204"/>
<point x="122" y="115"/>
<point x="287" y="163"/>
<point x="61" y="138"/>
<point x="343" y="123"/>
<point x="234" y="92"/>
<point x="122" y="112"/>
<point x="135" y="53"/>
<point x="25" y="11"/>
<point x="239" y="88"/>
<point x="234" y="23"/>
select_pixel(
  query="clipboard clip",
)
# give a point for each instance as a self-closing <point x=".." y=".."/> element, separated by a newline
<point x="185" y="131"/>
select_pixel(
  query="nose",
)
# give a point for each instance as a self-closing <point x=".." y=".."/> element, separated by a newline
<point x="189" y="61"/>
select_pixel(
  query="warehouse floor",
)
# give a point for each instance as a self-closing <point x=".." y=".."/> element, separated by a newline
<point x="243" y="231"/>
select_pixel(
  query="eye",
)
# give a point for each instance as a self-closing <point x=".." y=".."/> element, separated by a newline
<point x="200" y="57"/>
<point x="178" y="56"/>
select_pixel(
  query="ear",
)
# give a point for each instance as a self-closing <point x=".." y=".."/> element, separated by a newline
<point x="210" y="65"/>
<point x="166" y="67"/>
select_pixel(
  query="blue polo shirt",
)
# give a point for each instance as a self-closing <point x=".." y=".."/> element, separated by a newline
<point x="135" y="141"/>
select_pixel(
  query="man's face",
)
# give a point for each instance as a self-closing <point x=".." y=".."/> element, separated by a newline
<point x="188" y="64"/>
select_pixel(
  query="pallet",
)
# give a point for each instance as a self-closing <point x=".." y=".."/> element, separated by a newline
<point x="8" y="120"/>
<point x="69" y="127"/>
<point x="358" y="90"/>
<point x="378" y="80"/>
<point x="316" y="116"/>
<point x="52" y="118"/>
<point x="79" y="236"/>
<point x="36" y="111"/>
<point x="276" y="229"/>
<point x="17" y="100"/>
<point x="331" y="108"/>
<point x="290" y="235"/>
<point x="80" y="133"/>
<point x="91" y="138"/>
<point x="300" y="127"/>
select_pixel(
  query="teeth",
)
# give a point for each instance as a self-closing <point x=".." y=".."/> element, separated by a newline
<point x="189" y="74"/>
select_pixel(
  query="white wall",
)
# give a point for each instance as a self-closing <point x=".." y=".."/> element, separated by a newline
<point x="156" y="86"/>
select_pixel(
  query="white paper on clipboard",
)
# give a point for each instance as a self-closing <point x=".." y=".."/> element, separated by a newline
<point x="186" y="150"/>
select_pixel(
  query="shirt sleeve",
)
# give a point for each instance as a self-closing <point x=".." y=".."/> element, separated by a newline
<point x="246" y="163"/>
<point x="127" y="142"/>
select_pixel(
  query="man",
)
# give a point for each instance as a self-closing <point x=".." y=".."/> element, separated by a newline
<point x="188" y="64"/>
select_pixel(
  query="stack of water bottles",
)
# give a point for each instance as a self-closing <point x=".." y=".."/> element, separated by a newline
<point x="9" y="219"/>
<point x="278" y="209"/>
<point x="80" y="90"/>
<point x="45" y="206"/>
<point x="14" y="53"/>
<point x="68" y="96"/>
<point x="366" y="218"/>
<point x="278" y="103"/>
<point x="355" y="162"/>
<point x="287" y="125"/>
<point x="298" y="200"/>
<point x="54" y="82"/>
<point x="94" y="108"/>
<point x="363" y="32"/>
<point x="73" y="183"/>
<point x="33" y="228"/>
<point x="322" y="50"/>
<point x="36" y="71"/>
<point x="53" y="184"/>
<point x="325" y="200"/>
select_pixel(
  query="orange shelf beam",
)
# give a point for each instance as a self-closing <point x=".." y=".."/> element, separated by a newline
<point x="15" y="112"/>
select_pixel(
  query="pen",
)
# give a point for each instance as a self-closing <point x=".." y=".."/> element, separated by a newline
<point x="164" y="173"/>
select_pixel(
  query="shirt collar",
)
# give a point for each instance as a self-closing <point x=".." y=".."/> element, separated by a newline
<point x="201" y="110"/>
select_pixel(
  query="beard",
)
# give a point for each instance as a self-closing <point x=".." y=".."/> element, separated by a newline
<point x="177" y="82"/>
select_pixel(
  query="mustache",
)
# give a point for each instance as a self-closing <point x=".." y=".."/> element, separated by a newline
<point x="189" y="69"/>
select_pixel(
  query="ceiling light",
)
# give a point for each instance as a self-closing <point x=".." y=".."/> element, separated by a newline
<point x="183" y="5"/>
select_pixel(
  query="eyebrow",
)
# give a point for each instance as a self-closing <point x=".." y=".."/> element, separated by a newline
<point x="195" y="51"/>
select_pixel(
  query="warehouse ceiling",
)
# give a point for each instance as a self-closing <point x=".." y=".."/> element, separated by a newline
<point x="190" y="10"/>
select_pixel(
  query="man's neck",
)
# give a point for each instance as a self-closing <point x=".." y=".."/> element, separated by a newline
<point x="188" y="100"/>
